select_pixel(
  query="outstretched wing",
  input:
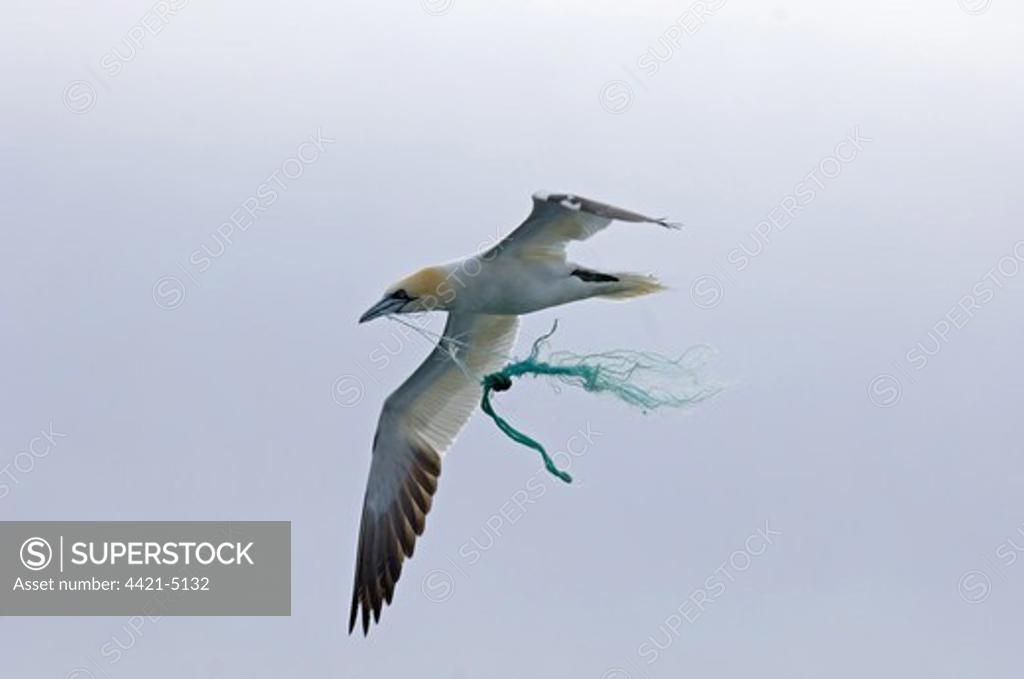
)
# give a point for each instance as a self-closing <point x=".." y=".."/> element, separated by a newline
<point x="419" y="422"/>
<point x="557" y="219"/>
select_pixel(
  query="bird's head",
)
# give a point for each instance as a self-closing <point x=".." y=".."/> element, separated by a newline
<point x="426" y="290"/>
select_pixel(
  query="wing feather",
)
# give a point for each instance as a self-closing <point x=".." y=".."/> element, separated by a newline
<point x="418" y="424"/>
<point x="560" y="218"/>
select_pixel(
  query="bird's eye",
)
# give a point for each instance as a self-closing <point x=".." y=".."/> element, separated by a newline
<point x="400" y="294"/>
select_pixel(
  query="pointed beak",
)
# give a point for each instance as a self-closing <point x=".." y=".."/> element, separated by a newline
<point x="382" y="308"/>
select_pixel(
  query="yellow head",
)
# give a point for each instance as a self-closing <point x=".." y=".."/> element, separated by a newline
<point x="426" y="290"/>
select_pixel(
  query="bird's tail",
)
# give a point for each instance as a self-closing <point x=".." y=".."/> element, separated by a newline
<point x="632" y="285"/>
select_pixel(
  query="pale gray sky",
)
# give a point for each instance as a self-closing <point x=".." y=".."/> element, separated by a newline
<point x="864" y="295"/>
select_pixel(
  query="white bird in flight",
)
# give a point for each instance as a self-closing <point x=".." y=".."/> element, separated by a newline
<point x="484" y="294"/>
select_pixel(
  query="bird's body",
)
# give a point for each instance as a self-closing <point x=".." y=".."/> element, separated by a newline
<point x="513" y="285"/>
<point x="484" y="295"/>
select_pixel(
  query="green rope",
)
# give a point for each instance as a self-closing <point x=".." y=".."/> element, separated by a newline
<point x="624" y="374"/>
<point x="501" y="382"/>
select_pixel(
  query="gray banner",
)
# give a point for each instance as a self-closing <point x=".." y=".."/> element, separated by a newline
<point x="150" y="568"/>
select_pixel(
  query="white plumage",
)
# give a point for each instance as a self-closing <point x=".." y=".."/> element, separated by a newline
<point x="483" y="294"/>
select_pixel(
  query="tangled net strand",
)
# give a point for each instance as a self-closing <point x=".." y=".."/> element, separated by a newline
<point x="641" y="379"/>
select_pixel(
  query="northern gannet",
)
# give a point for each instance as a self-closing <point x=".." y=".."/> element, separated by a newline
<point x="483" y="294"/>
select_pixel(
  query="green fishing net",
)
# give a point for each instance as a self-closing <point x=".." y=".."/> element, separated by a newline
<point x="641" y="379"/>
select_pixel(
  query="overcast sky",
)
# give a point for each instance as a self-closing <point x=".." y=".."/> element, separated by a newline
<point x="199" y="199"/>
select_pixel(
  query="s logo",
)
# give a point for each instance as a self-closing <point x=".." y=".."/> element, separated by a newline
<point x="36" y="554"/>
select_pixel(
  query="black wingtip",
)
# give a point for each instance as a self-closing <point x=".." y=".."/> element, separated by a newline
<point x="663" y="221"/>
